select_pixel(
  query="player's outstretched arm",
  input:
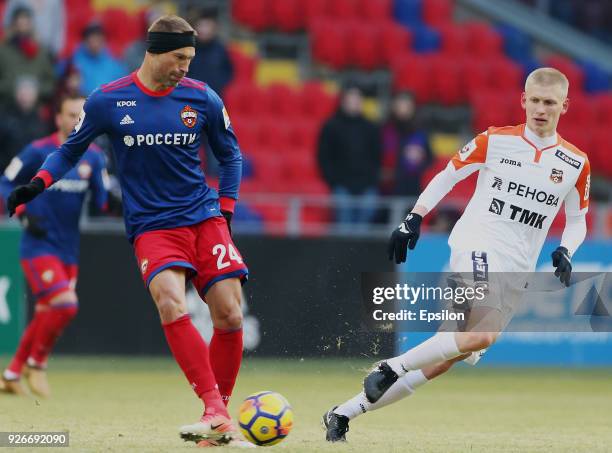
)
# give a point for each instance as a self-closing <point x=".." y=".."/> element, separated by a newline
<point x="91" y="123"/>
<point x="470" y="158"/>
<point x="17" y="186"/>
<point x="224" y="146"/>
<point x="576" y="206"/>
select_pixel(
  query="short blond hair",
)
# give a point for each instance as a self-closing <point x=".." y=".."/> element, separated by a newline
<point x="548" y="76"/>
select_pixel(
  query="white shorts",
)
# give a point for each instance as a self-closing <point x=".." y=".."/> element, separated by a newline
<point x="503" y="287"/>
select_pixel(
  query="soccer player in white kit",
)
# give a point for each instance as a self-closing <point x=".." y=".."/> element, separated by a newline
<point x="525" y="173"/>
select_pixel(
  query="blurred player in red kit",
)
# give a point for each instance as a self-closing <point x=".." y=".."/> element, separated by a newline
<point x="50" y="245"/>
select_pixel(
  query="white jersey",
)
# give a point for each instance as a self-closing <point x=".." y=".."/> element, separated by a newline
<point x="519" y="192"/>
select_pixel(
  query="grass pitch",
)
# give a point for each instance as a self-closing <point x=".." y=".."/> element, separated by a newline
<point x="137" y="404"/>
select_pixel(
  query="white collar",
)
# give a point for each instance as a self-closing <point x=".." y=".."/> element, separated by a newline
<point x="540" y="142"/>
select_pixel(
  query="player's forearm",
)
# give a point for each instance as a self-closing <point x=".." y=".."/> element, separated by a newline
<point x="437" y="189"/>
<point x="574" y="232"/>
<point x="57" y="164"/>
<point x="230" y="173"/>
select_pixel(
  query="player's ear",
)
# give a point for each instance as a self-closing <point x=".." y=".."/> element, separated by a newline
<point x="523" y="100"/>
<point x="565" y="106"/>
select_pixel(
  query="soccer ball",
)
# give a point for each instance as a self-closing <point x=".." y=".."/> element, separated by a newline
<point x="265" y="418"/>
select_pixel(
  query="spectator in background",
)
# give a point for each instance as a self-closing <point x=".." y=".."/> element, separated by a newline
<point x="49" y="18"/>
<point x="93" y="60"/>
<point x="21" y="56"/>
<point x="21" y="122"/>
<point x="349" y="159"/>
<point x="211" y="63"/>
<point x="406" y="152"/>
<point x="134" y="53"/>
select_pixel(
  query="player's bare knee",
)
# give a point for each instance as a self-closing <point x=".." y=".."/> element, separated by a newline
<point x="475" y="341"/>
<point x="228" y="317"/>
<point x="169" y="304"/>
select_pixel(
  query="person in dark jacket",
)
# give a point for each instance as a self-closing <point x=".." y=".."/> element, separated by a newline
<point x="349" y="159"/>
<point x="406" y="151"/>
<point x="211" y="63"/>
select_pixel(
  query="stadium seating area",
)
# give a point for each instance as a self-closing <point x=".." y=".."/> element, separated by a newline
<point x="425" y="49"/>
<point x="440" y="60"/>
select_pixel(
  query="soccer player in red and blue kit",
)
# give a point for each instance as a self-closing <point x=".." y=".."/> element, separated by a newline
<point x="157" y="119"/>
<point x="50" y="245"/>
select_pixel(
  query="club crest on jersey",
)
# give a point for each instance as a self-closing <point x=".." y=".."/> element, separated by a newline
<point x="556" y="176"/>
<point x="189" y="116"/>
<point x="84" y="170"/>
<point x="47" y="276"/>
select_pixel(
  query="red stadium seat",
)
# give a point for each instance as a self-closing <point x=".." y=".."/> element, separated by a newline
<point x="598" y="152"/>
<point x="394" y="40"/>
<point x="375" y="11"/>
<point x="506" y="74"/>
<point x="283" y="101"/>
<point x="245" y="99"/>
<point x="576" y="135"/>
<point x="329" y="43"/>
<point x="603" y="104"/>
<point x="411" y="72"/>
<point x="315" y="10"/>
<point x="246" y="131"/>
<point x="305" y="134"/>
<point x="316" y="102"/>
<point x="254" y="14"/>
<point x="581" y="112"/>
<point x="515" y="109"/>
<point x="301" y="166"/>
<point x="273" y="134"/>
<point x="437" y="12"/>
<point x="364" y="45"/>
<point x="119" y="38"/>
<point x="343" y="10"/>
<point x="446" y="80"/>
<point x="288" y="15"/>
<point x="572" y="71"/>
<point x="483" y="40"/>
<point x="244" y="65"/>
<point x="490" y="108"/>
<point x="455" y="39"/>
<point x="476" y="76"/>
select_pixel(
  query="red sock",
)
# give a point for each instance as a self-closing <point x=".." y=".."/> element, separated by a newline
<point x="51" y="325"/>
<point x="191" y="353"/>
<point x="225" y="359"/>
<point x="25" y="345"/>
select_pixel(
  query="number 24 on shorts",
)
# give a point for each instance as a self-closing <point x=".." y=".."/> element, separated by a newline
<point x="221" y="250"/>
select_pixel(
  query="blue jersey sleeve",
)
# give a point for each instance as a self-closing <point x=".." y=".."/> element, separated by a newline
<point x="92" y="123"/>
<point x="224" y="146"/>
<point x="21" y="169"/>
<point x="99" y="182"/>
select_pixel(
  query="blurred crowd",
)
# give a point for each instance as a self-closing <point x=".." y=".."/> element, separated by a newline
<point x="356" y="156"/>
<point x="34" y="73"/>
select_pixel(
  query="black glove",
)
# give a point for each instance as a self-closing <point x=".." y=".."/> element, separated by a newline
<point x="404" y="237"/>
<point x="228" y="218"/>
<point x="562" y="262"/>
<point x="32" y="225"/>
<point x="23" y="194"/>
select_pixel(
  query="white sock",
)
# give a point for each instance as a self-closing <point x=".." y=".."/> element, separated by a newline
<point x="403" y="388"/>
<point x="10" y="376"/>
<point x="357" y="405"/>
<point x="439" y="348"/>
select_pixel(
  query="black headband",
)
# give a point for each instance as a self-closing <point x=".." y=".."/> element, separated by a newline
<point x="162" y="42"/>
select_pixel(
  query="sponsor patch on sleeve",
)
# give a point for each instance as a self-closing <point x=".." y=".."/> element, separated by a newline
<point x="13" y="169"/>
<point x="226" y="118"/>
